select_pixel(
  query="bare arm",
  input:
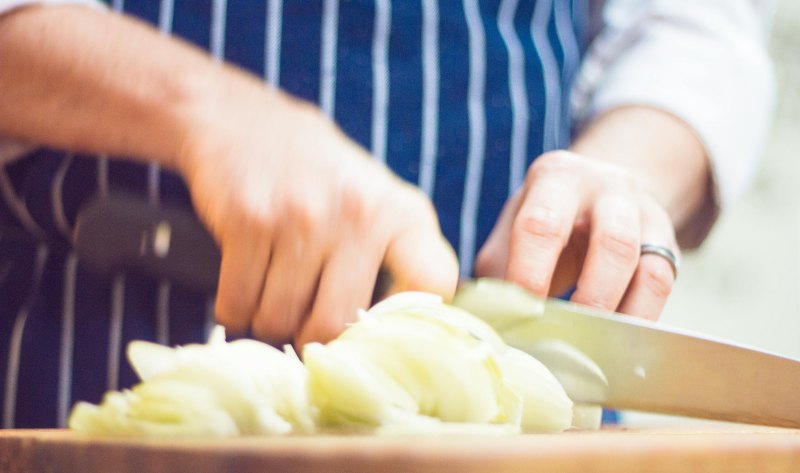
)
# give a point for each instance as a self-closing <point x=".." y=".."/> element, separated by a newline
<point x="105" y="84"/>
<point x="662" y="151"/>
<point x="304" y="217"/>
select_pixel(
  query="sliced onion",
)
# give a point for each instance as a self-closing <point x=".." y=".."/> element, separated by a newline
<point x="515" y="315"/>
<point x="545" y="405"/>
<point x="412" y="364"/>
<point x="498" y="303"/>
<point x="260" y="388"/>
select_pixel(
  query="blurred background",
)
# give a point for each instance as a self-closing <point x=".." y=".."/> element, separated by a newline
<point x="743" y="284"/>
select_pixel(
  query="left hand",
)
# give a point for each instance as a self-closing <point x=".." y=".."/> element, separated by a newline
<point x="582" y="222"/>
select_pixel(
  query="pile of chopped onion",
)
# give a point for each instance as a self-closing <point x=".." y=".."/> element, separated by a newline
<point x="411" y="365"/>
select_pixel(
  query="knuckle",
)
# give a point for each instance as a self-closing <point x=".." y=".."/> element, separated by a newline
<point x="621" y="245"/>
<point x="303" y="213"/>
<point x="419" y="201"/>
<point x="551" y="162"/>
<point x="626" y="182"/>
<point x="558" y="157"/>
<point x="355" y="202"/>
<point x="656" y="276"/>
<point x="258" y="222"/>
<point x="271" y="328"/>
<point x="243" y="217"/>
<point x="416" y="206"/>
<point x="541" y="224"/>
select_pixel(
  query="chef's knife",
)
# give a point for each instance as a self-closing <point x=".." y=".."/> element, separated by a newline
<point x="600" y="357"/>
<point x="643" y="365"/>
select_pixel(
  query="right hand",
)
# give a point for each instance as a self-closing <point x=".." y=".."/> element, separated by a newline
<point x="305" y="218"/>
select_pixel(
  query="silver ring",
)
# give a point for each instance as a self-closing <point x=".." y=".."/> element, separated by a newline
<point x="664" y="252"/>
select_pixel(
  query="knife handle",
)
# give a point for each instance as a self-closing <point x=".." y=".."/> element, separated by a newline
<point x="122" y="232"/>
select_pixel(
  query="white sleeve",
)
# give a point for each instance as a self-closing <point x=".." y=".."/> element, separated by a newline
<point x="704" y="61"/>
<point x="10" y="149"/>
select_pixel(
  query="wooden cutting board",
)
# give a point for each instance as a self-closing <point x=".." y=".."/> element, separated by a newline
<point x="723" y="449"/>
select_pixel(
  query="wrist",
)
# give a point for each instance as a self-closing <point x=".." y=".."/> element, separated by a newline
<point x="658" y="149"/>
<point x="225" y="106"/>
<point x="207" y="111"/>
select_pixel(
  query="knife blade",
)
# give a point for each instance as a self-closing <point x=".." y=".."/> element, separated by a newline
<point x="652" y="367"/>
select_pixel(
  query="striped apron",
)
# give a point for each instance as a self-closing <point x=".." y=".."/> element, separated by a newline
<point x="455" y="96"/>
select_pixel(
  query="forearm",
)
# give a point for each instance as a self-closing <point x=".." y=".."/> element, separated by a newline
<point x="661" y="151"/>
<point x="91" y="81"/>
<point x="704" y="63"/>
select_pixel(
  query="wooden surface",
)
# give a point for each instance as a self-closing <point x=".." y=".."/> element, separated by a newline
<point x="729" y="449"/>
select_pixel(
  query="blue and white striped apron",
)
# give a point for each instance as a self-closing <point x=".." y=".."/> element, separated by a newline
<point x="455" y="96"/>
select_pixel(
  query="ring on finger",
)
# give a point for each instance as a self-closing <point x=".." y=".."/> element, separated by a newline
<point x="664" y="252"/>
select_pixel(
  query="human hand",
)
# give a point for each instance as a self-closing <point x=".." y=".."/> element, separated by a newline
<point x="581" y="222"/>
<point x="305" y="219"/>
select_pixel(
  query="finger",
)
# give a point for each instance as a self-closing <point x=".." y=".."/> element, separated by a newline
<point x="345" y="285"/>
<point x="244" y="265"/>
<point x="539" y="233"/>
<point x="492" y="259"/>
<point x="654" y="277"/>
<point x="418" y="257"/>
<point x="289" y="289"/>
<point x="422" y="261"/>
<point x="570" y="264"/>
<point x="613" y="251"/>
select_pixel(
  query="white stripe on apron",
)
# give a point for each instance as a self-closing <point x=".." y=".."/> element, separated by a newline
<point x="552" y="88"/>
<point x="15" y="342"/>
<point x="272" y="47"/>
<point x="477" y="134"/>
<point x="17" y="205"/>
<point x="67" y="340"/>
<point x="565" y="32"/>
<point x="165" y="13"/>
<point x="519" y="94"/>
<point x="65" y="358"/>
<point x="115" y="332"/>
<point x="380" y="77"/>
<point x="430" y="96"/>
<point x="218" y="16"/>
<point x="330" y="34"/>
<point x="57" y="197"/>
